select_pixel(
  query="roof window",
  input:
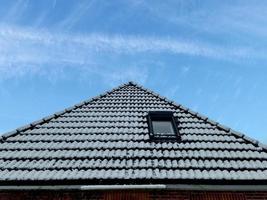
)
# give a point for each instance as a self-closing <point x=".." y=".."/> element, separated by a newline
<point x="162" y="125"/>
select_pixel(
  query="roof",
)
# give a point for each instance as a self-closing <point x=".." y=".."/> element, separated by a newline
<point x="106" y="140"/>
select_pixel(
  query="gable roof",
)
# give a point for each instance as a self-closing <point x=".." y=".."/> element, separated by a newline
<point x="106" y="140"/>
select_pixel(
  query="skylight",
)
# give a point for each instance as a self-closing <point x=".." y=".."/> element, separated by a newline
<point x="162" y="125"/>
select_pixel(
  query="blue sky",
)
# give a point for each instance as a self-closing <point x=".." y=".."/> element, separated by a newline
<point x="207" y="55"/>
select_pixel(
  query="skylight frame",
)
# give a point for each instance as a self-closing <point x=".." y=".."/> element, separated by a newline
<point x="162" y="116"/>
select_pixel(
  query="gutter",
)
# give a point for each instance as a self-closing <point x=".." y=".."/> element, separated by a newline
<point x="140" y="187"/>
<point x="123" y="187"/>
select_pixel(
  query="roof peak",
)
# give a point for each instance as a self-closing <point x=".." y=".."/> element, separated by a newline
<point x="132" y="83"/>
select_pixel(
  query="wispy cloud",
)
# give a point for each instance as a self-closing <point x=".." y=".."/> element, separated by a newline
<point x="24" y="51"/>
<point x="239" y="19"/>
<point x="15" y="12"/>
<point x="76" y="14"/>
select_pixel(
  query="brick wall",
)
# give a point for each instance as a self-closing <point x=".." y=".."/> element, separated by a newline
<point x="130" y="195"/>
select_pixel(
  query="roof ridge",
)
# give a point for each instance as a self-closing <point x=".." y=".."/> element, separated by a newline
<point x="59" y="113"/>
<point x="200" y="116"/>
<point x="131" y="83"/>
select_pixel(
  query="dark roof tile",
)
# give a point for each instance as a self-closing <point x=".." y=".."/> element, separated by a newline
<point x="106" y="138"/>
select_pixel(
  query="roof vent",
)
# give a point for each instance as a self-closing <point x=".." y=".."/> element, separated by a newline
<point x="162" y="126"/>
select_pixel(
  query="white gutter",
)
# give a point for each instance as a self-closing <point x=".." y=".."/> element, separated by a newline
<point x="123" y="187"/>
<point x="140" y="187"/>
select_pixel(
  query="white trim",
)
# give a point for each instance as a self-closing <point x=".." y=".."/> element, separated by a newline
<point x="122" y="187"/>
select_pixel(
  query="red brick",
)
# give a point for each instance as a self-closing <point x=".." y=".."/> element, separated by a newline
<point x="131" y="195"/>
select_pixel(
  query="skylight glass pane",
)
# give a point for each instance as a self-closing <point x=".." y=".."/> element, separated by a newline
<point x="162" y="127"/>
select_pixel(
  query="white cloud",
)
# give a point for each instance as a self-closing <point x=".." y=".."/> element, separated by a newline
<point x="76" y="14"/>
<point x="16" y="11"/>
<point x="24" y="51"/>
<point x="241" y="19"/>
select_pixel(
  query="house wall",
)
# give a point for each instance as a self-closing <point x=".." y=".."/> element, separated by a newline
<point x="131" y="195"/>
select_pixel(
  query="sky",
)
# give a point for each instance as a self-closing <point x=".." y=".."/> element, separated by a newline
<point x="209" y="56"/>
